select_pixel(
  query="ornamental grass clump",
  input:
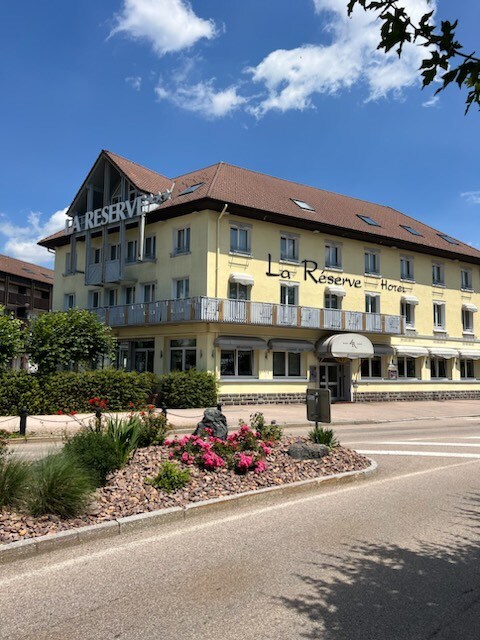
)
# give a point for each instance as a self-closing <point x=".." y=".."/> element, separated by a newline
<point x="320" y="435"/>
<point x="59" y="485"/>
<point x="170" y="477"/>
<point x="97" y="452"/>
<point x="243" y="451"/>
<point x="14" y="474"/>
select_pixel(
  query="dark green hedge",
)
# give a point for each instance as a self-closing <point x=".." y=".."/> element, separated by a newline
<point x="189" y="389"/>
<point x="68" y="391"/>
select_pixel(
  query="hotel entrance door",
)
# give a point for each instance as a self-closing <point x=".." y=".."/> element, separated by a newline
<point x="332" y="376"/>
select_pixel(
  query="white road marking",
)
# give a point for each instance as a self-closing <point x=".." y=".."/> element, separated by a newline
<point x="428" y="444"/>
<point x="430" y="454"/>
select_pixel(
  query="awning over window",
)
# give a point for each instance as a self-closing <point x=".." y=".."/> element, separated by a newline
<point x="410" y="352"/>
<point x="242" y="278"/>
<point x="469" y="306"/>
<point x="471" y="354"/>
<point x="383" y="350"/>
<point x="410" y="299"/>
<point x="240" y="342"/>
<point x="443" y="352"/>
<point x="336" y="291"/>
<point x="345" y="345"/>
<point x="291" y="345"/>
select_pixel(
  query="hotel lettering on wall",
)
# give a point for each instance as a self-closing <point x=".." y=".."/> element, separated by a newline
<point x="311" y="271"/>
<point x="105" y="215"/>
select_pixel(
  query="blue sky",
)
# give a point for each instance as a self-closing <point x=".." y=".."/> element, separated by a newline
<point x="291" y="89"/>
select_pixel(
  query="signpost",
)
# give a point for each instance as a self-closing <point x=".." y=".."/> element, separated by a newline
<point x="318" y="405"/>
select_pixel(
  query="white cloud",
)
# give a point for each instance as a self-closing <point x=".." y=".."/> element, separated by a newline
<point x="168" y="25"/>
<point x="21" y="241"/>
<point x="292" y="77"/>
<point x="135" y="82"/>
<point x="471" y="196"/>
<point x="202" y="98"/>
<point x="431" y="102"/>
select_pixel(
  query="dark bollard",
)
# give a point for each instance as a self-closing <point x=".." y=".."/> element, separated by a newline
<point x="98" y="419"/>
<point x="164" y="410"/>
<point x="219" y="406"/>
<point x="23" y="422"/>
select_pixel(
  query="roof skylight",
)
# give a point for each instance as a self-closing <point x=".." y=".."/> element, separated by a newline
<point x="368" y="220"/>
<point x="302" y="204"/>
<point x="447" y="238"/>
<point x="191" y="189"/>
<point x="411" y="230"/>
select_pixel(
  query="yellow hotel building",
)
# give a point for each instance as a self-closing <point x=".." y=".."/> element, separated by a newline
<point x="272" y="285"/>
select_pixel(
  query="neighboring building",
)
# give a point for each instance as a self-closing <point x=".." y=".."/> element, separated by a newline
<point x="272" y="285"/>
<point x="25" y="288"/>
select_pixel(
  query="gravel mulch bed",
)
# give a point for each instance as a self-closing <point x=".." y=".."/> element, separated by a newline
<point x="127" y="493"/>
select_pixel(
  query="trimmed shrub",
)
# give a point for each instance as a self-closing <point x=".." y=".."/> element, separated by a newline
<point x="154" y="428"/>
<point x="69" y="391"/>
<point x="14" y="474"/>
<point x="170" y="477"/>
<point x="59" y="486"/>
<point x="188" y="389"/>
<point x="320" y="435"/>
<point x="95" y="451"/>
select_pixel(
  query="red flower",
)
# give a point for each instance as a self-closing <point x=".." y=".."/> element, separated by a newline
<point x="59" y="412"/>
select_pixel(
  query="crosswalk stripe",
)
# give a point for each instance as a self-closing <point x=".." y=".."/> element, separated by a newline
<point x="428" y="444"/>
<point x="431" y="454"/>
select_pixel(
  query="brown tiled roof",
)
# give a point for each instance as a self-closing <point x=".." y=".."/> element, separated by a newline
<point x="15" y="267"/>
<point x="144" y="179"/>
<point x="258" y="194"/>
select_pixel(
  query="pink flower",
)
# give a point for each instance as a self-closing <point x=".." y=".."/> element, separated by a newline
<point x="208" y="431"/>
<point x="260" y="466"/>
<point x="212" y="461"/>
<point x="266" y="450"/>
<point x="170" y="454"/>
<point x="244" y="462"/>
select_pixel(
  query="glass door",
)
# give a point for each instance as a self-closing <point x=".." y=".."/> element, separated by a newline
<point x="331" y="377"/>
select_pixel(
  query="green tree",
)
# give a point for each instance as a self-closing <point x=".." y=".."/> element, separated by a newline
<point x="68" y="339"/>
<point x="11" y="338"/>
<point x="444" y="58"/>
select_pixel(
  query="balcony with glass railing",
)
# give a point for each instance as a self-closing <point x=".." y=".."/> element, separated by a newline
<point x="246" y="312"/>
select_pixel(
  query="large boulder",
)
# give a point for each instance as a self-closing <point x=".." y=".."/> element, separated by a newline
<point x="215" y="420"/>
<point x="307" y="450"/>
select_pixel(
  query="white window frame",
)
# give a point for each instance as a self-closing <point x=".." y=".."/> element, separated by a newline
<point x="235" y="247"/>
<point x="95" y="255"/>
<point x="466" y="280"/>
<point x="369" y="298"/>
<point x="181" y="286"/>
<point x="113" y="252"/>
<point x="467" y="321"/>
<point x="238" y="291"/>
<point x="94" y="299"/>
<point x="403" y="360"/>
<point x="439" y="316"/>
<point x="333" y="255"/>
<point x="406" y="307"/>
<point x="126" y="296"/>
<point x="286" y="356"/>
<point x="181" y="241"/>
<point x="131" y="256"/>
<point x="289" y="294"/>
<point x="68" y="301"/>
<point x="235" y="364"/>
<point x="183" y="350"/>
<point x="435" y="368"/>
<point x="370" y="362"/>
<point x="332" y="299"/>
<point x="407" y="273"/>
<point x="372" y="262"/>
<point x="150" y="253"/>
<point x="289" y="247"/>
<point x="148" y="291"/>
<point x="463" y="369"/>
<point x="108" y="297"/>
<point x="438" y="274"/>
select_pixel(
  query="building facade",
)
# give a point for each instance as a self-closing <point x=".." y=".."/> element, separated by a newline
<point x="25" y="288"/>
<point x="272" y="285"/>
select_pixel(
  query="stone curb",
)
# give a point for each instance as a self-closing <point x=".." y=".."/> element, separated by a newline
<point x="200" y="510"/>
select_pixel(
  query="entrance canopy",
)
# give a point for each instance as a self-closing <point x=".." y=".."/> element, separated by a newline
<point x="345" y="345"/>
<point x="240" y="342"/>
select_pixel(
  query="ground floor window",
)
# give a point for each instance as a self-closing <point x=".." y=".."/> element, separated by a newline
<point x="286" y="363"/>
<point x="183" y="354"/>
<point x="467" y="368"/>
<point x="438" y="368"/>
<point x="143" y="354"/>
<point x="236" y="362"/>
<point x="371" y="367"/>
<point x="406" y="367"/>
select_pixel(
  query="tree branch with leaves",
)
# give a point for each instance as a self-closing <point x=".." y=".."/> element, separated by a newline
<point x="445" y="59"/>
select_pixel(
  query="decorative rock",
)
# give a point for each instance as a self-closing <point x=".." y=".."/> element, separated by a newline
<point x="307" y="450"/>
<point x="215" y="420"/>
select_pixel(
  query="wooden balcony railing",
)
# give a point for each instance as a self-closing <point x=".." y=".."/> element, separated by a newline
<point x="246" y="312"/>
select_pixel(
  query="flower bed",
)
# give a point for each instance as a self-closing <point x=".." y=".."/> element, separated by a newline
<point x="129" y="490"/>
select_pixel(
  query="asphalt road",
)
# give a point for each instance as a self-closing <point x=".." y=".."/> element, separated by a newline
<point x="394" y="557"/>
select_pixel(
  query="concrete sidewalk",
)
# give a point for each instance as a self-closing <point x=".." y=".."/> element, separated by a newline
<point x="293" y="414"/>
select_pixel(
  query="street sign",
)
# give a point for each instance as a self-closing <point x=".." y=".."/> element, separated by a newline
<point x="318" y="405"/>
